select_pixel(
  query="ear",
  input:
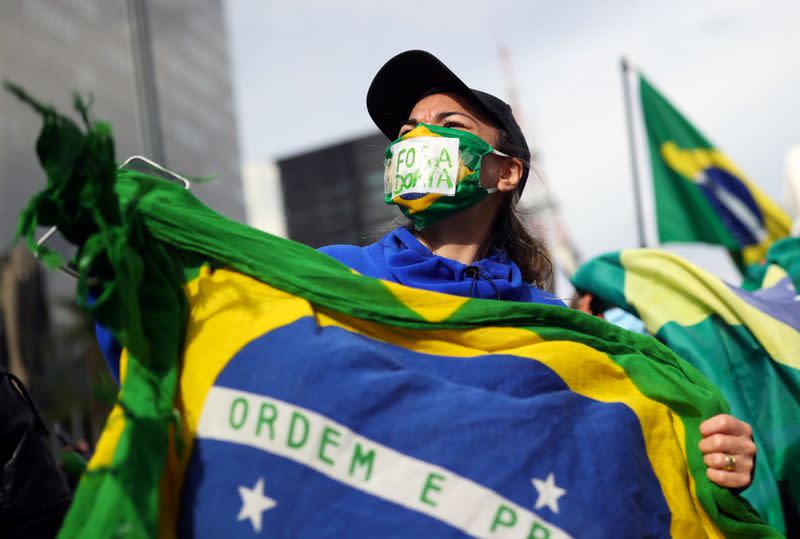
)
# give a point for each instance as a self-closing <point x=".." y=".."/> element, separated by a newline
<point x="510" y="174"/>
<point x="584" y="303"/>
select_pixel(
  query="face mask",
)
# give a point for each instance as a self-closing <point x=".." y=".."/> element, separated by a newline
<point x="433" y="172"/>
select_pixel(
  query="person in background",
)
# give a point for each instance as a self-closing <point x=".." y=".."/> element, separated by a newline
<point x="590" y="304"/>
<point x="33" y="494"/>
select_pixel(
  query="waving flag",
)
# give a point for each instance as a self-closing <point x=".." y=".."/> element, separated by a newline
<point x="699" y="194"/>
<point x="745" y="342"/>
<point x="267" y="390"/>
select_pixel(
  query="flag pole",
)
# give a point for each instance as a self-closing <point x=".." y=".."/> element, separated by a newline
<point x="637" y="195"/>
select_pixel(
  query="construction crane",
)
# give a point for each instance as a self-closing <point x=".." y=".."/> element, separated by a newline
<point x="546" y="218"/>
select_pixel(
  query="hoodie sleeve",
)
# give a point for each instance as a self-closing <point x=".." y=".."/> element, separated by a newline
<point x="110" y="348"/>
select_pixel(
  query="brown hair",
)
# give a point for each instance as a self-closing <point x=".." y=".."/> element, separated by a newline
<point x="511" y="233"/>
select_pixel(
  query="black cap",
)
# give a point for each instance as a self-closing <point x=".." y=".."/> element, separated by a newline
<point x="410" y="75"/>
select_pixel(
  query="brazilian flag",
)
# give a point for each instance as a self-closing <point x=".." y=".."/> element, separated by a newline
<point x="746" y="342"/>
<point x="700" y="195"/>
<point x="268" y="391"/>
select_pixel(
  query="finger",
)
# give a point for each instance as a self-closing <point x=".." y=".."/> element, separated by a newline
<point x="724" y="443"/>
<point x="725" y="424"/>
<point x="728" y="479"/>
<point x="742" y="463"/>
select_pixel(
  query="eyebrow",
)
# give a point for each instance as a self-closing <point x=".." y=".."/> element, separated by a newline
<point x="439" y="117"/>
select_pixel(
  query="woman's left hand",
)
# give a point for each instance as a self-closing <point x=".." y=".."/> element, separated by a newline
<point x="728" y="451"/>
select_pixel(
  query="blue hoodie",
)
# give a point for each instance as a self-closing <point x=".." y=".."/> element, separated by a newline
<point x="400" y="257"/>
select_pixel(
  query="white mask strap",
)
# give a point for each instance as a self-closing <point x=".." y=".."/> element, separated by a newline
<point x="491" y="190"/>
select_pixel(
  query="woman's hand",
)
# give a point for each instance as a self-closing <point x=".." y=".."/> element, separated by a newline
<point x="728" y="451"/>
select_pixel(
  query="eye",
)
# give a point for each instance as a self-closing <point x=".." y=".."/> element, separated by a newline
<point x="453" y="124"/>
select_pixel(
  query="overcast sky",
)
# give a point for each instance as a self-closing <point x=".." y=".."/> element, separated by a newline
<point x="302" y="68"/>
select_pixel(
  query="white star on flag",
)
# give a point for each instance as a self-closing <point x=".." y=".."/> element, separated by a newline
<point x="254" y="503"/>
<point x="549" y="493"/>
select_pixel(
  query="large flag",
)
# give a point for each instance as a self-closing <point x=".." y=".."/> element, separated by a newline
<point x="745" y="342"/>
<point x="699" y="194"/>
<point x="267" y="390"/>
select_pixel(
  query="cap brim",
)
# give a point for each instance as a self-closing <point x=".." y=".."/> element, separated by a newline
<point x="402" y="81"/>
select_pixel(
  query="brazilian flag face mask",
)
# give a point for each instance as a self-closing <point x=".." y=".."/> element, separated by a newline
<point x="433" y="172"/>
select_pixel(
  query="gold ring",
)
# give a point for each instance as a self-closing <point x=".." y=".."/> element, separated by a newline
<point x="730" y="463"/>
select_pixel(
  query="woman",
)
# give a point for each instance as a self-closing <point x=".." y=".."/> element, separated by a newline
<point x="466" y="237"/>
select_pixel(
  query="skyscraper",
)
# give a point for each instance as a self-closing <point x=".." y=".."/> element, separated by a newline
<point x="114" y="50"/>
<point x="334" y="194"/>
<point x="55" y="48"/>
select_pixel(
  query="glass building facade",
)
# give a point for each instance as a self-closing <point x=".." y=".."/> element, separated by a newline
<point x="53" y="48"/>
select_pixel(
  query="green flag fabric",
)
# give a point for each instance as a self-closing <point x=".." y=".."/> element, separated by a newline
<point x="267" y="388"/>
<point x="700" y="195"/>
<point x="746" y="342"/>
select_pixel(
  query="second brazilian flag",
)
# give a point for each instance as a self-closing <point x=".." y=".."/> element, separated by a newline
<point x="700" y="195"/>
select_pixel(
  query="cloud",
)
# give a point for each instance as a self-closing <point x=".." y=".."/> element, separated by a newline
<point x="302" y="70"/>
